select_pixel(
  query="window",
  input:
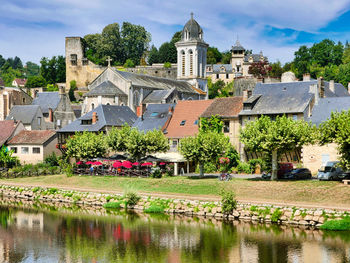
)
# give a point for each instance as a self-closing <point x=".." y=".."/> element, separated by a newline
<point x="217" y="76"/>
<point x="92" y="106"/>
<point x="195" y="122"/>
<point x="24" y="100"/>
<point x="73" y="59"/>
<point x="227" y="76"/>
<point x="226" y="126"/>
<point x="39" y="121"/>
<point x="183" y="62"/>
<point x="295" y="117"/>
<point x="36" y="150"/>
<point x="86" y="122"/>
<point x="58" y="123"/>
<point x="14" y="149"/>
<point x="136" y="99"/>
<point x="191" y="62"/>
<point x="183" y="123"/>
<point x="154" y="114"/>
<point x="174" y="143"/>
<point x="85" y="61"/>
<point x="24" y="150"/>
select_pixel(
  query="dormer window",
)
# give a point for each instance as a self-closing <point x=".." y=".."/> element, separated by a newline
<point x="86" y="122"/>
<point x="250" y="59"/>
<point x="182" y="123"/>
<point x="222" y="69"/>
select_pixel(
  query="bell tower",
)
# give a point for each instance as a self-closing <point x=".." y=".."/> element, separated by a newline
<point x="192" y="55"/>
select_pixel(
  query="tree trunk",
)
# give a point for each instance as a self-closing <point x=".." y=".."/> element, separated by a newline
<point x="201" y="169"/>
<point x="274" y="165"/>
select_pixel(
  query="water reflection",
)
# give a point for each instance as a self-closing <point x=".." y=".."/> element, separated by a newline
<point x="29" y="235"/>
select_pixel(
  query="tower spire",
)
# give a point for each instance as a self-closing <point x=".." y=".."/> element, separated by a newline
<point x="191" y="15"/>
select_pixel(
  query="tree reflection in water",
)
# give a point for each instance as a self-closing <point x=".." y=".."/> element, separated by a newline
<point x="129" y="237"/>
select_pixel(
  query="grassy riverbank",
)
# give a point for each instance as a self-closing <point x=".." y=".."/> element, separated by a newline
<point x="290" y="192"/>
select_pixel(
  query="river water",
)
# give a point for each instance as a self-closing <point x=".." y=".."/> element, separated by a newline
<point x="48" y="234"/>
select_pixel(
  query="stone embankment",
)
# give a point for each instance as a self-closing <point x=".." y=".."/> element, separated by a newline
<point x="284" y="215"/>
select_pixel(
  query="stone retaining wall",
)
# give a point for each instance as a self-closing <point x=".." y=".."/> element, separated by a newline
<point x="263" y="213"/>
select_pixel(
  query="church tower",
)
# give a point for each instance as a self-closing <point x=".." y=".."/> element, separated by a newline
<point x="192" y="55"/>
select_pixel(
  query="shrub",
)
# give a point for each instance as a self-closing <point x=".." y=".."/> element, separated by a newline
<point x="51" y="160"/>
<point x="113" y="205"/>
<point x="129" y="63"/>
<point x="337" y="225"/>
<point x="156" y="172"/>
<point x="253" y="163"/>
<point x="228" y="201"/>
<point x="132" y="198"/>
<point x="276" y="215"/>
<point x="154" y="208"/>
<point x="167" y="65"/>
<point x="244" y="168"/>
<point x="208" y="168"/>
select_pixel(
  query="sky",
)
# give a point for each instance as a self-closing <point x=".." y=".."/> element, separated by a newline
<point x="37" y="28"/>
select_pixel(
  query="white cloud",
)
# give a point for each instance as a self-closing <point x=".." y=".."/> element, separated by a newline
<point x="37" y="28"/>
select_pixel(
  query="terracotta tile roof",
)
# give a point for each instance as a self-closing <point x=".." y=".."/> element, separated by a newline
<point x="188" y="112"/>
<point x="224" y="107"/>
<point x="21" y="82"/>
<point x="32" y="137"/>
<point x="7" y="128"/>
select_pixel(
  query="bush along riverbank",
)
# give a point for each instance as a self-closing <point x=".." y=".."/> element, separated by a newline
<point x="228" y="209"/>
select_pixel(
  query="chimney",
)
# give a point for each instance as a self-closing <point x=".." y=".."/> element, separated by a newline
<point x="306" y="77"/>
<point x="320" y="86"/>
<point x="62" y="90"/>
<point x="331" y="86"/>
<point x="245" y="95"/>
<point x="94" y="117"/>
<point x="50" y="115"/>
<point x="140" y="110"/>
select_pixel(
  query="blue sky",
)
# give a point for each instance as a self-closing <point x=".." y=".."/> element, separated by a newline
<point x="36" y="28"/>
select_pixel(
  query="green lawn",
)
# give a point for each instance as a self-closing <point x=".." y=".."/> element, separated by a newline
<point x="310" y="192"/>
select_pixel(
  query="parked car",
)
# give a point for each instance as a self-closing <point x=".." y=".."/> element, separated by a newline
<point x="283" y="168"/>
<point x="298" y="174"/>
<point x="330" y="171"/>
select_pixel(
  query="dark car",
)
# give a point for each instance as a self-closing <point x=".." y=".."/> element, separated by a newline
<point x="298" y="174"/>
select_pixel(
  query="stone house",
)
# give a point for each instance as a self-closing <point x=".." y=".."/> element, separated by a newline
<point x="33" y="146"/>
<point x="9" y="128"/>
<point x="314" y="156"/>
<point x="293" y="99"/>
<point x="185" y="120"/>
<point x="238" y="67"/>
<point x="100" y="119"/>
<point x="227" y="109"/>
<point x="19" y="83"/>
<point x="30" y="115"/>
<point x="56" y="108"/>
<point x="155" y="116"/>
<point x="10" y="97"/>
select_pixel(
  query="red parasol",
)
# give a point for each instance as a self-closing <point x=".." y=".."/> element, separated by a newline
<point x="97" y="163"/>
<point x="89" y="162"/>
<point x="136" y="164"/>
<point x="117" y="164"/>
<point x="80" y="162"/>
<point x="162" y="164"/>
<point x="146" y="164"/>
<point x="127" y="164"/>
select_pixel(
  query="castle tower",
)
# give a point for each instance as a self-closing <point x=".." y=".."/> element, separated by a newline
<point x="192" y="55"/>
<point x="237" y="58"/>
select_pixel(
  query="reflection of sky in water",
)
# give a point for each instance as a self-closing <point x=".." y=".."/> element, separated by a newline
<point x="54" y="237"/>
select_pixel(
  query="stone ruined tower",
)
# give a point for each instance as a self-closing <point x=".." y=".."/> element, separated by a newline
<point x="192" y="55"/>
<point x="78" y="67"/>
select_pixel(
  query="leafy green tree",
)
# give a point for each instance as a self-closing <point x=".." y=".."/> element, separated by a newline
<point x="337" y="130"/>
<point x="276" y="137"/>
<point x="259" y="69"/>
<point x="214" y="123"/>
<point x="226" y="57"/>
<point x="302" y="58"/>
<point x="86" y="145"/>
<point x="6" y="158"/>
<point x="32" y="69"/>
<point x="344" y="74"/>
<point x="213" y="55"/>
<point x="345" y="59"/>
<point x="214" y="88"/>
<point x="129" y="63"/>
<point x="2" y="61"/>
<point x="53" y="70"/>
<point x="326" y="52"/>
<point x="17" y="63"/>
<point x="35" y="81"/>
<point x="110" y="44"/>
<point x="204" y="147"/>
<point x="60" y="69"/>
<point x="73" y="87"/>
<point x="276" y="70"/>
<point x="153" y="56"/>
<point x="136" y="143"/>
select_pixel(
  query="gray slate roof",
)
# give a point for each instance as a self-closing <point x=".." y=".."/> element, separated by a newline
<point x="193" y="28"/>
<point x="256" y="57"/>
<point x="217" y="68"/>
<point x="287" y="97"/>
<point x="238" y="46"/>
<point x="108" y="115"/>
<point x="105" y="88"/>
<point x="154" y="122"/>
<point x="23" y="113"/>
<point x="47" y="100"/>
<point x="146" y="81"/>
<point x="157" y="96"/>
<point x="322" y="111"/>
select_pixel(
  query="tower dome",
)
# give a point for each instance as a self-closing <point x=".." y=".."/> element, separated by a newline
<point x="192" y="30"/>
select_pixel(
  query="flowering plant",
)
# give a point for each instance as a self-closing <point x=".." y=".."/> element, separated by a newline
<point x="224" y="160"/>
